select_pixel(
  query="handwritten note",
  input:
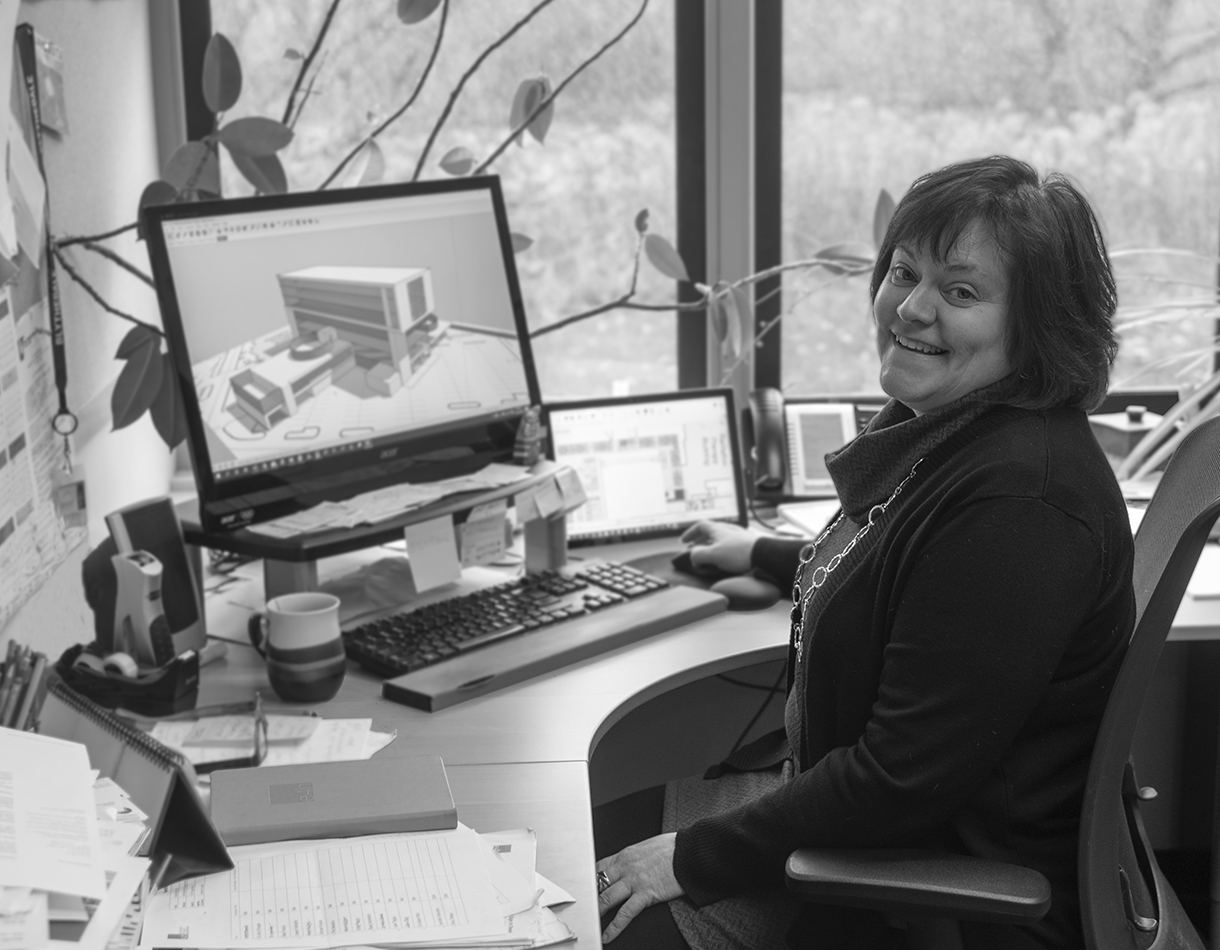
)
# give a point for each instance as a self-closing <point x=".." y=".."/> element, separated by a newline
<point x="482" y="534"/>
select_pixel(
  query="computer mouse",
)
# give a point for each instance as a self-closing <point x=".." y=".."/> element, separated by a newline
<point x="682" y="563"/>
<point x="747" y="592"/>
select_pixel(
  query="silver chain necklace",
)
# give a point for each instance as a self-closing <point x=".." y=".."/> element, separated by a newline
<point x="800" y="599"/>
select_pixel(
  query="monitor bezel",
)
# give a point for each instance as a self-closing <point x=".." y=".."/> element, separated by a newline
<point x="420" y="455"/>
<point x="722" y="392"/>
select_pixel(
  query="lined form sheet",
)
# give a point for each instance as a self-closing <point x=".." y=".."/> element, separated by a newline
<point x="337" y="892"/>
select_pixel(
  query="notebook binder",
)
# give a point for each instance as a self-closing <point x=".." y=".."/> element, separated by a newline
<point x="159" y="780"/>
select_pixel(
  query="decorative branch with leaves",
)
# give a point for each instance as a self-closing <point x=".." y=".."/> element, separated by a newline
<point x="147" y="382"/>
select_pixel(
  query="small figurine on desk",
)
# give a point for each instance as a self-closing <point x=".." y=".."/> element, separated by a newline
<point x="528" y="447"/>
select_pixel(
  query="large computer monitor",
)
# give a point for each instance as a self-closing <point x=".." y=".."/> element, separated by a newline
<point x="329" y="343"/>
<point x="651" y="465"/>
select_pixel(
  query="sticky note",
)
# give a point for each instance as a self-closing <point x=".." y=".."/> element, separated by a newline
<point x="549" y="499"/>
<point x="482" y="535"/>
<point x="432" y="549"/>
<point x="526" y="503"/>
<point x="571" y="489"/>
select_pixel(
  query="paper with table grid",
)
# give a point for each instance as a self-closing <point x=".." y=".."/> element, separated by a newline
<point x="403" y="889"/>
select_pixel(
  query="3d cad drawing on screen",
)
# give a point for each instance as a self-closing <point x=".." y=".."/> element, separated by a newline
<point x="362" y="349"/>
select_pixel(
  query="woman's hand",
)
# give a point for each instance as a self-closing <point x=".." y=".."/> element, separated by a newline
<point x="716" y="544"/>
<point x="640" y="875"/>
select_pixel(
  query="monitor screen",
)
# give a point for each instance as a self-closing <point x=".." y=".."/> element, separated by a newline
<point x="328" y="343"/>
<point x="650" y="465"/>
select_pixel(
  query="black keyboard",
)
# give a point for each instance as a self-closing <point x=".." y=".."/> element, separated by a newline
<point x="446" y="652"/>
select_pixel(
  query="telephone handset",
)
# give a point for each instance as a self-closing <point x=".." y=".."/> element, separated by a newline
<point x="763" y="430"/>
<point x="786" y="440"/>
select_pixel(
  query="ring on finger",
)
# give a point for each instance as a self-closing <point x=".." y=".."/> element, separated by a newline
<point x="603" y="881"/>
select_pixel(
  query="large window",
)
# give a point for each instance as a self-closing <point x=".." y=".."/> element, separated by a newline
<point x="608" y="154"/>
<point x="1122" y="95"/>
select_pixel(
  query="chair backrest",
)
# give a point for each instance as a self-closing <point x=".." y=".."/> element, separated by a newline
<point x="1125" y="900"/>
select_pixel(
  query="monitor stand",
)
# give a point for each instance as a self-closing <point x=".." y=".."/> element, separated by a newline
<point x="291" y="564"/>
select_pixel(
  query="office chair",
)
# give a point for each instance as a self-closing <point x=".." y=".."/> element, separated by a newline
<point x="1125" y="900"/>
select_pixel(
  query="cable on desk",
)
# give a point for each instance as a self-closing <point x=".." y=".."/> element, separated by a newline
<point x="761" y="709"/>
<point x="770" y="525"/>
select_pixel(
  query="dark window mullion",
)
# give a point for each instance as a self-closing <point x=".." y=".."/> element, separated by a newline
<point x="691" y="143"/>
<point x="768" y="181"/>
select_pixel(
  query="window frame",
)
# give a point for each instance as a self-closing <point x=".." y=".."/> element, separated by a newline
<point x="753" y="30"/>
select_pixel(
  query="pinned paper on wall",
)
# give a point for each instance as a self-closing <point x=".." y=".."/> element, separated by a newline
<point x="571" y="488"/>
<point x="432" y="548"/>
<point x="482" y="535"/>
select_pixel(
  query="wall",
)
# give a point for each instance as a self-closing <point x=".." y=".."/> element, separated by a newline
<point x="95" y="176"/>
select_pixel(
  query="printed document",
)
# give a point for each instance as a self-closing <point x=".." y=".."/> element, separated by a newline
<point x="401" y="889"/>
<point x="51" y="842"/>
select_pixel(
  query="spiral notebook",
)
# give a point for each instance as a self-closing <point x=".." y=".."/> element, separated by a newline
<point x="159" y="781"/>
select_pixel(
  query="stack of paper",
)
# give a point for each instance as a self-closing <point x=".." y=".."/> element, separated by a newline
<point x="428" y="889"/>
<point x="375" y="506"/>
<point x="66" y="872"/>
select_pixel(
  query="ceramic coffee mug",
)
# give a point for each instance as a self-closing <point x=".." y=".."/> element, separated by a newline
<point x="299" y="637"/>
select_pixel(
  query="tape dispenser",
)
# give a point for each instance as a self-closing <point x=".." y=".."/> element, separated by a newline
<point x="140" y="627"/>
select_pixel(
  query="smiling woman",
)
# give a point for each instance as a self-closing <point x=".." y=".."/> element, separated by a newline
<point x="942" y="325"/>
<point x="1007" y="274"/>
<point x="956" y="629"/>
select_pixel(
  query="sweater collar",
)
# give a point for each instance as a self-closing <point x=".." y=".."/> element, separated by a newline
<point x="867" y="469"/>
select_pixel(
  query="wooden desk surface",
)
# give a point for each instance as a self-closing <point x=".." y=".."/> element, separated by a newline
<point x="519" y="757"/>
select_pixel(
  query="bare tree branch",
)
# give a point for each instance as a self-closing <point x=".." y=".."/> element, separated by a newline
<point x="120" y="261"/>
<point x="622" y="303"/>
<point x="520" y="129"/>
<point x="90" y="238"/>
<point x="313" y="79"/>
<point x="461" y="84"/>
<point x="419" y="85"/>
<point x="76" y="276"/>
<point x="1202" y="44"/>
<point x="308" y="61"/>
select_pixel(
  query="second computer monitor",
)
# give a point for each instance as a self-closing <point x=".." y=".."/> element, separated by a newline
<point x="651" y="465"/>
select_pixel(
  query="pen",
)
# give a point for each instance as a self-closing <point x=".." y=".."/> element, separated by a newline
<point x="217" y="709"/>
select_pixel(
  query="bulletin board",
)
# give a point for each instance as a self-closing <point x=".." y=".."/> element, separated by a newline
<point x="35" y="535"/>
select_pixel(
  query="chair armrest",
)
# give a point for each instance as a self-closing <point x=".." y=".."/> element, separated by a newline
<point x="919" y="883"/>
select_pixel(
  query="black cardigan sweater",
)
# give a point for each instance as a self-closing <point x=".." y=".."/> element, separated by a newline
<point x="957" y="671"/>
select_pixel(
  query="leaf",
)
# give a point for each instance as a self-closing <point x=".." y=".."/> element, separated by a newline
<point x="293" y="54"/>
<point x="255" y="135"/>
<point x="541" y="123"/>
<point x="264" y="172"/>
<point x="136" y="339"/>
<point x="732" y="323"/>
<point x="168" y="416"/>
<point x="221" y="74"/>
<point x="457" y="162"/>
<point x="641" y="221"/>
<point x="745" y="309"/>
<point x="154" y="193"/>
<point x="530" y="94"/>
<point x="137" y="386"/>
<point x="715" y="310"/>
<point x="373" y="160"/>
<point x="193" y="165"/>
<point x="851" y="257"/>
<point x="416" y="11"/>
<point x="664" y="258"/>
<point x="883" y="213"/>
<point x="521" y="242"/>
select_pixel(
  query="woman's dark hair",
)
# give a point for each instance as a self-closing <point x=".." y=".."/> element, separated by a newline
<point x="1061" y="293"/>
